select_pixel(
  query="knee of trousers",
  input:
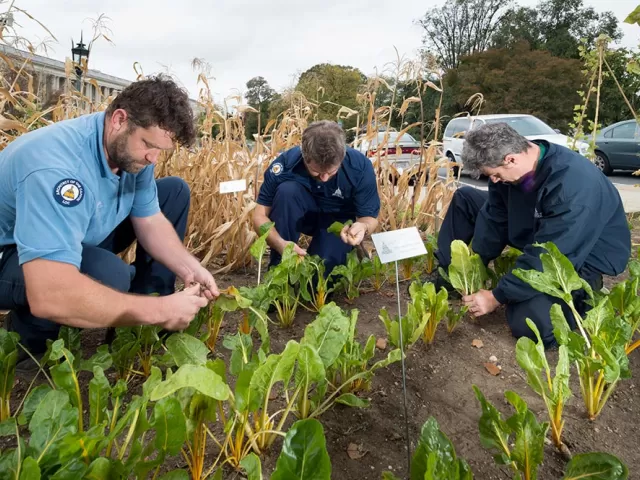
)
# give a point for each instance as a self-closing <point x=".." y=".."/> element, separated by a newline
<point x="109" y="270"/>
<point x="174" y="188"/>
<point x="463" y="193"/>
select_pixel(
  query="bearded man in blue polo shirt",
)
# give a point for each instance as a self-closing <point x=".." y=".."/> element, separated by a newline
<point x="309" y="187"/>
<point x="76" y="193"/>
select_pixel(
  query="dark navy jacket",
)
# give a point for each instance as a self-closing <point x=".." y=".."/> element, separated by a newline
<point x="352" y="192"/>
<point x="572" y="204"/>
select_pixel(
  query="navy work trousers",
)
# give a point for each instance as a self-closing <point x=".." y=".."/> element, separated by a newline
<point x="295" y="211"/>
<point x="101" y="263"/>
<point x="459" y="224"/>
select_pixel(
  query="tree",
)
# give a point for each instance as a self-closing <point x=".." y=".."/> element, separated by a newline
<point x="520" y="80"/>
<point x="461" y="28"/>
<point x="555" y="25"/>
<point x="259" y="95"/>
<point x="332" y="86"/>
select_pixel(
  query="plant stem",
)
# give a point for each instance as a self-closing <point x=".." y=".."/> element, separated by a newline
<point x="632" y="347"/>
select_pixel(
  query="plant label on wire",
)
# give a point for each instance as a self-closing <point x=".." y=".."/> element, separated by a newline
<point x="233" y="186"/>
<point x="398" y="244"/>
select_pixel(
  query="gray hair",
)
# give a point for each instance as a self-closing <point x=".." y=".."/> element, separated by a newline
<point x="323" y="143"/>
<point x="488" y="145"/>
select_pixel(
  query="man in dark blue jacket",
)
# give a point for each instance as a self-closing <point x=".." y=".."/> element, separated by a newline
<point x="539" y="192"/>
<point x="309" y="187"/>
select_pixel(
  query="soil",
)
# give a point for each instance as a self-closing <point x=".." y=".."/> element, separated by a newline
<point x="439" y="381"/>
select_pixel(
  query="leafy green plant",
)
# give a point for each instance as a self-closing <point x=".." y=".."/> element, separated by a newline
<point x="602" y="365"/>
<point x="353" y="273"/>
<point x="518" y="441"/>
<point x="431" y="246"/>
<point x="599" y="352"/>
<point x="280" y="282"/>
<point x="259" y="247"/>
<point x="467" y="273"/>
<point x="554" y="391"/>
<point x="419" y="313"/>
<point x="454" y="316"/>
<point x="426" y="302"/>
<point x="337" y="227"/>
<point x="380" y="273"/>
<point x="503" y="265"/>
<point x="353" y="362"/>
<point x="596" y="466"/>
<point x="435" y="457"/>
<point x="304" y="455"/>
<point x="199" y="389"/>
<point x="8" y="358"/>
<point x="626" y="303"/>
<point x="314" y="285"/>
<point x="413" y="326"/>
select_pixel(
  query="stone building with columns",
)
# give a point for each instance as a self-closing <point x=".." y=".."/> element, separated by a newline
<point x="50" y="79"/>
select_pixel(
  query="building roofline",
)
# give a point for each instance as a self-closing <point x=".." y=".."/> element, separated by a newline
<point x="50" y="62"/>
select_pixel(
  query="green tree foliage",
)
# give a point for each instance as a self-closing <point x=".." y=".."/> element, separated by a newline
<point x="336" y="84"/>
<point x="556" y="26"/>
<point x="520" y="80"/>
<point x="460" y="28"/>
<point x="260" y="96"/>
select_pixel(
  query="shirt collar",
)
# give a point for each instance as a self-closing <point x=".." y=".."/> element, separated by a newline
<point x="105" y="169"/>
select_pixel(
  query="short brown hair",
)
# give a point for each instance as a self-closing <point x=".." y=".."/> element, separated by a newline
<point x="158" y="101"/>
<point x="323" y="143"/>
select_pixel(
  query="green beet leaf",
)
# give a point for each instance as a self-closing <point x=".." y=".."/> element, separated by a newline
<point x="176" y="475"/>
<point x="277" y="368"/>
<point x="596" y="466"/>
<point x="304" y="453"/>
<point x="30" y="469"/>
<point x="260" y="245"/>
<point x="54" y="418"/>
<point x="252" y="466"/>
<point x="187" y="350"/>
<point x="336" y="227"/>
<point x="528" y="452"/>
<point x="328" y="333"/>
<point x="192" y="376"/>
<point x="435" y="456"/>
<point x="99" y="390"/>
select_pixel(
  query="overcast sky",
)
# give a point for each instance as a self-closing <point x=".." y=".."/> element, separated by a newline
<point x="241" y="39"/>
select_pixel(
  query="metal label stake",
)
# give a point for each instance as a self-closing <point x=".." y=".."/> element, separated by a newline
<point x="391" y="247"/>
<point x="404" y="375"/>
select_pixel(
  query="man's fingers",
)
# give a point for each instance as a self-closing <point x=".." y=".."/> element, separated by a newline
<point x="193" y="289"/>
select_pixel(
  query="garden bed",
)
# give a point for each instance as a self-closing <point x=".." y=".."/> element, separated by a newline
<point x="365" y="442"/>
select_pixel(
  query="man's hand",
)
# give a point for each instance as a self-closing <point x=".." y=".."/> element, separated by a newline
<point x="203" y="277"/>
<point x="354" y="234"/>
<point x="481" y="303"/>
<point x="180" y="308"/>
<point x="296" y="248"/>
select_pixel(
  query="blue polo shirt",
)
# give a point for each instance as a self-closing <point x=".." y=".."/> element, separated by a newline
<point x="57" y="192"/>
<point x="352" y="192"/>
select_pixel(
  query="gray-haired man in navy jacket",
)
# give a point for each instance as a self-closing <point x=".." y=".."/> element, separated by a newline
<point x="538" y="192"/>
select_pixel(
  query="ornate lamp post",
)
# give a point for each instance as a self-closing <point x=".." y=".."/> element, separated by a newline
<point x="79" y="52"/>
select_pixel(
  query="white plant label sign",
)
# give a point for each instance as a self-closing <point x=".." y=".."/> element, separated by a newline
<point x="233" y="186"/>
<point x="398" y="244"/>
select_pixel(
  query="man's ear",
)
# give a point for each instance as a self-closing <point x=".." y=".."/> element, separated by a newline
<point x="509" y="160"/>
<point x="118" y="120"/>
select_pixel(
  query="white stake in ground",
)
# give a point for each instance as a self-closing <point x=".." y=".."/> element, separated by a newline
<point x="391" y="247"/>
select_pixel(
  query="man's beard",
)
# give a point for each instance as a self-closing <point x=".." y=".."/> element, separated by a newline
<point x="119" y="156"/>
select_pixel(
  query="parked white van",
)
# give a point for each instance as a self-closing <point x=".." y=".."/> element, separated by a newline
<point x="528" y="126"/>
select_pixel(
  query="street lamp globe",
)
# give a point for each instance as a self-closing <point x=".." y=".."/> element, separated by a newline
<point x="79" y="52"/>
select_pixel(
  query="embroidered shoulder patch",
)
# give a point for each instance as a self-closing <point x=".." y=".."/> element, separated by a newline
<point x="68" y="192"/>
<point x="276" y="169"/>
